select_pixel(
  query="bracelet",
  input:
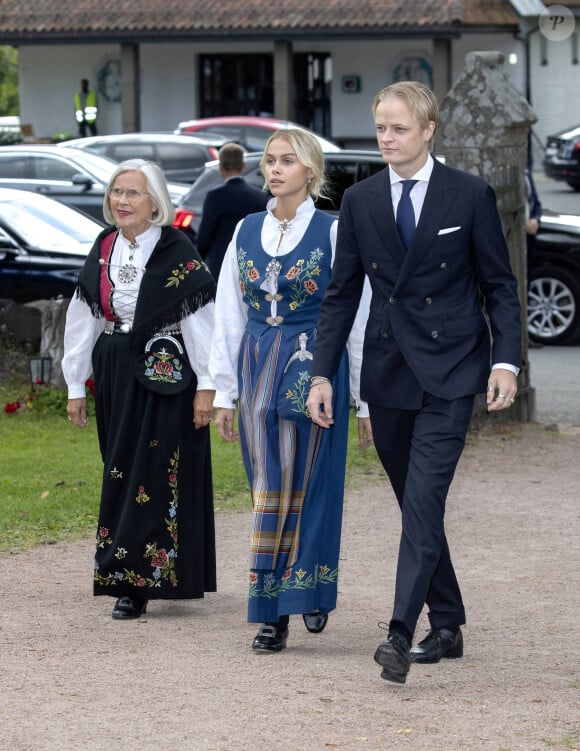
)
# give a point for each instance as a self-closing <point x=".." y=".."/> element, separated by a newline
<point x="318" y="380"/>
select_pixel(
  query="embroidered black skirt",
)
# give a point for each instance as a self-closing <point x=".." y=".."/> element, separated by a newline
<point x="155" y="537"/>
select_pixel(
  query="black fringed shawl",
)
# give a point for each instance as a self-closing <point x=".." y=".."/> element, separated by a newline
<point x="175" y="284"/>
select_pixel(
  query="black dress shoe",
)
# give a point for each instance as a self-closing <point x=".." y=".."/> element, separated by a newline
<point x="439" y="643"/>
<point x="393" y="656"/>
<point x="315" y="622"/>
<point x="129" y="607"/>
<point x="271" y="637"/>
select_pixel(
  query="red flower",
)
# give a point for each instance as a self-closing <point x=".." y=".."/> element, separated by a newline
<point x="11" y="407"/>
<point x="141" y="582"/>
<point x="90" y="384"/>
<point x="160" y="559"/>
<point x="253" y="578"/>
<point x="103" y="532"/>
<point x="173" y="478"/>
<point x="190" y="265"/>
<point x="253" y="274"/>
<point x="294" y="271"/>
<point x="310" y="286"/>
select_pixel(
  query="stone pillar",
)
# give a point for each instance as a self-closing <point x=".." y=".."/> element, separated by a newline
<point x="53" y="318"/>
<point x="130" y="88"/>
<point x="483" y="129"/>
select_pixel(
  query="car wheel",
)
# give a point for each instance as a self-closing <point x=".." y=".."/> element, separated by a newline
<point x="553" y="306"/>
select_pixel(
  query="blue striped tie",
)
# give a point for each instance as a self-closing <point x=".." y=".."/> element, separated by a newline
<point x="405" y="213"/>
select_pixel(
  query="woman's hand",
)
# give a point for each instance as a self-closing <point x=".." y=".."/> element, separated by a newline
<point x="76" y="410"/>
<point x="224" y="421"/>
<point x="319" y="405"/>
<point x="203" y="408"/>
<point x="365" y="433"/>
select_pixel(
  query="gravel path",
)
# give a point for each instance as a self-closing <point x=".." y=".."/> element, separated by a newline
<point x="184" y="677"/>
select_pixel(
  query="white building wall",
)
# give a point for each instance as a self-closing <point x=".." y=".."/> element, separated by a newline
<point x="50" y="75"/>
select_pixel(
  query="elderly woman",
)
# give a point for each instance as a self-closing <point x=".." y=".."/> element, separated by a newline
<point x="141" y="322"/>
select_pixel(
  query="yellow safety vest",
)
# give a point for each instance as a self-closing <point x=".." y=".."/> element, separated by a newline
<point x="89" y="114"/>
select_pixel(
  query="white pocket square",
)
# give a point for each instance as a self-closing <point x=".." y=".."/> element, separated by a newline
<point x="447" y="230"/>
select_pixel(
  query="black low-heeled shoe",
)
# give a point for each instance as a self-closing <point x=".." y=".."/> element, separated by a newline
<point x="127" y="608"/>
<point x="271" y="637"/>
<point x="315" y="622"/>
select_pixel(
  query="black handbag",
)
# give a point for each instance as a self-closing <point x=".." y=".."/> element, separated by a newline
<point x="164" y="367"/>
<point x="295" y="383"/>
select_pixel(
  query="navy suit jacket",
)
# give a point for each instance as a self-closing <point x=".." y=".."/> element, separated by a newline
<point x="426" y="331"/>
<point x="222" y="210"/>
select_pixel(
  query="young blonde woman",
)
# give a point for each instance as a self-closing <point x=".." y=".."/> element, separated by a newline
<point x="271" y="285"/>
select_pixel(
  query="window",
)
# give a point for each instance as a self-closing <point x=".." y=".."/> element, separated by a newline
<point x="47" y="168"/>
<point x="15" y="167"/>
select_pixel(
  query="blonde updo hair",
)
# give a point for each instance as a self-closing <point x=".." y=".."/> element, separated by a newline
<point x="309" y="154"/>
<point x="163" y="210"/>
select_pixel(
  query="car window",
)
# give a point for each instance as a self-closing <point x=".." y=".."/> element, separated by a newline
<point x="255" y="139"/>
<point x="51" y="227"/>
<point x="47" y="168"/>
<point x="231" y="132"/>
<point x="16" y="167"/>
<point x="181" y="156"/>
<point x="122" y="151"/>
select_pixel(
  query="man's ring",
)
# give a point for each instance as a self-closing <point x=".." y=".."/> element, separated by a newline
<point x="70" y="418"/>
<point x="490" y="388"/>
<point x="501" y="396"/>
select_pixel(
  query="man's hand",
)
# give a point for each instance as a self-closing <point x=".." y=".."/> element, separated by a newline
<point x="502" y="387"/>
<point x="319" y="404"/>
<point x="224" y="422"/>
<point x="365" y="433"/>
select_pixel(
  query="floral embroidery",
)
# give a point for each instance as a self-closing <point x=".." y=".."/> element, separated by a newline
<point x="179" y="274"/>
<point x="299" y="579"/>
<point x="142" y="496"/>
<point x="103" y="537"/>
<point x="248" y="273"/>
<point x="298" y="393"/>
<point x="163" y="366"/>
<point x="301" y="275"/>
<point x="161" y="559"/>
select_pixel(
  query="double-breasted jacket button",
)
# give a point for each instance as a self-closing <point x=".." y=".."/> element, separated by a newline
<point x="385" y="335"/>
<point x="270" y="297"/>
<point x="392" y="299"/>
<point x="275" y="320"/>
<point x="443" y="265"/>
<point x="434" y="334"/>
<point x="374" y="265"/>
<point x="428" y="300"/>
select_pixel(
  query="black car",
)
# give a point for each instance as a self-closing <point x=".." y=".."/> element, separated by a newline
<point x="77" y="178"/>
<point x="343" y="168"/>
<point x="562" y="156"/>
<point x="43" y="245"/>
<point x="554" y="288"/>
<point x="182" y="158"/>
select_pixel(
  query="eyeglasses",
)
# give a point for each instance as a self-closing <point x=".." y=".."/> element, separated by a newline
<point x="131" y="193"/>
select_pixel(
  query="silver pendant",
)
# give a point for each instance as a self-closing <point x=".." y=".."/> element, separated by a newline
<point x="127" y="273"/>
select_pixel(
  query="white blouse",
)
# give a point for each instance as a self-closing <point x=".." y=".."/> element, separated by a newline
<point x="82" y="329"/>
<point x="231" y="311"/>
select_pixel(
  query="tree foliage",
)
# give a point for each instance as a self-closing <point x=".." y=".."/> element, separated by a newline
<point x="8" y="80"/>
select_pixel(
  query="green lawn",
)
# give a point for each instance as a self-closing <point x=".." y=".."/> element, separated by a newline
<point x="50" y="473"/>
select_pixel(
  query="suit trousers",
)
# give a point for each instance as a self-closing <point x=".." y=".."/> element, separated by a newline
<point x="419" y="450"/>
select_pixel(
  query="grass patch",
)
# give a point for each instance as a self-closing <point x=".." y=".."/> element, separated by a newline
<point x="50" y="472"/>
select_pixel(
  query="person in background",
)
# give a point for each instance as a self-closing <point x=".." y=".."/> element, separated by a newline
<point x="273" y="278"/>
<point x="141" y="321"/>
<point x="430" y="240"/>
<point x="533" y="218"/>
<point x="86" y="109"/>
<point x="223" y="207"/>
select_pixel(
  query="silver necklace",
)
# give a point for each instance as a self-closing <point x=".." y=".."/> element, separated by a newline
<point x="284" y="225"/>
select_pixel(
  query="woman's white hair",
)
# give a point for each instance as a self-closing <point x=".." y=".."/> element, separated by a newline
<point x="163" y="210"/>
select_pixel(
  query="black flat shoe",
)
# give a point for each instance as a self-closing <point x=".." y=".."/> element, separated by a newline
<point x="129" y="607"/>
<point x="271" y="637"/>
<point x="315" y="622"/>
<point x="439" y="643"/>
<point x="393" y="656"/>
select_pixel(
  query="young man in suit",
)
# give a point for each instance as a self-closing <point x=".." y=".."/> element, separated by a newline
<point x="430" y="240"/>
<point x="225" y="206"/>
